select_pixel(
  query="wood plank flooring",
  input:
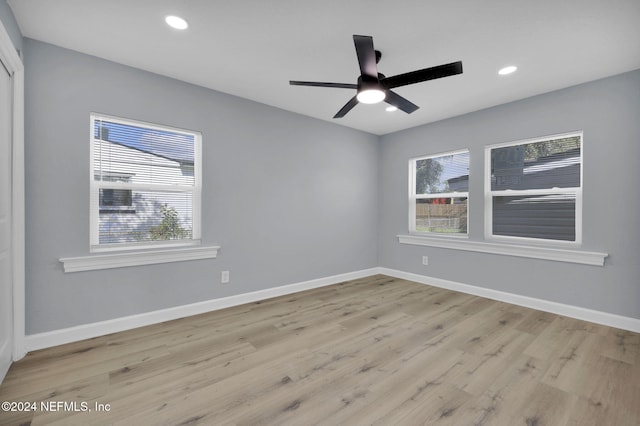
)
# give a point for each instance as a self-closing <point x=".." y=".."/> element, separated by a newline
<point x="374" y="351"/>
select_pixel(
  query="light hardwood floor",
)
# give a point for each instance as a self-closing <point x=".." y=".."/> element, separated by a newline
<point x="377" y="351"/>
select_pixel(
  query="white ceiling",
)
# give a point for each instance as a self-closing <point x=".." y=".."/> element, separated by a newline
<point x="252" y="48"/>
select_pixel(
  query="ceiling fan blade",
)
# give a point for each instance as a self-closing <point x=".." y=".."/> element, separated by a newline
<point x="319" y="84"/>
<point x="366" y="55"/>
<point x="399" y="102"/>
<point x="432" y="73"/>
<point x="346" y="108"/>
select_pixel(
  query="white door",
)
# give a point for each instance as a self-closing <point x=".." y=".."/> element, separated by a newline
<point x="6" y="285"/>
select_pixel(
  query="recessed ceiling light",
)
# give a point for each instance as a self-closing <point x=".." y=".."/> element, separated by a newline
<point x="391" y="108"/>
<point x="176" y="22"/>
<point x="508" y="70"/>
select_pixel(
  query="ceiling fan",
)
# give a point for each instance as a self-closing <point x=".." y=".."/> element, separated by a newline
<point x="373" y="87"/>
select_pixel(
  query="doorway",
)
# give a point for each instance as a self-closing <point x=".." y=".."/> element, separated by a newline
<point x="12" y="308"/>
<point x="6" y="197"/>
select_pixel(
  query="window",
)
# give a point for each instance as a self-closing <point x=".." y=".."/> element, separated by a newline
<point x="534" y="189"/>
<point x="145" y="186"/>
<point x="115" y="200"/>
<point x="438" y="193"/>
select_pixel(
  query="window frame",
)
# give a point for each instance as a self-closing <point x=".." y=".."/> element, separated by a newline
<point x="96" y="185"/>
<point x="413" y="197"/>
<point x="489" y="195"/>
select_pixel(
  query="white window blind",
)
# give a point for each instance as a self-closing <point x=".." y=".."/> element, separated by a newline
<point x="438" y="193"/>
<point x="145" y="184"/>
<point x="535" y="189"/>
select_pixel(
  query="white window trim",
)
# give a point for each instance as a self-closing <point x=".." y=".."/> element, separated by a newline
<point x="489" y="194"/>
<point x="413" y="196"/>
<point x="528" y="251"/>
<point x="94" y="214"/>
<point x="137" y="258"/>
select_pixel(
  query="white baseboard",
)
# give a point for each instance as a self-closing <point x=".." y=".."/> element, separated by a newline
<point x="87" y="331"/>
<point x="598" y="317"/>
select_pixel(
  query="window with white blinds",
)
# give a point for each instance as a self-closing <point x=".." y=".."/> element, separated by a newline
<point x="145" y="184"/>
<point x="438" y="193"/>
<point x="534" y="189"/>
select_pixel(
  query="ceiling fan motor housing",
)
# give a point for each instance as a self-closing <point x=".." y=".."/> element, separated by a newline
<point x="367" y="82"/>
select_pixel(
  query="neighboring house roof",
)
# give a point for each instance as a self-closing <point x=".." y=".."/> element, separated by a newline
<point x="542" y="164"/>
<point x="165" y="145"/>
<point x="555" y="161"/>
<point x="159" y="151"/>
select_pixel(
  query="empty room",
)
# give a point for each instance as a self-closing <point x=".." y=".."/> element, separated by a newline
<point x="319" y="213"/>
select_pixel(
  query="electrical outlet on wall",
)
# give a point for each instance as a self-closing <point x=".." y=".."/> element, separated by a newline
<point x="425" y="260"/>
<point x="224" y="277"/>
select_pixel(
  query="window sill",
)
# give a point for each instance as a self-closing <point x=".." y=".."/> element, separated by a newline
<point x="137" y="258"/>
<point x="534" y="252"/>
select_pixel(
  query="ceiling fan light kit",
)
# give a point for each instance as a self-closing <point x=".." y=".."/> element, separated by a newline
<point x="370" y="96"/>
<point x="373" y="87"/>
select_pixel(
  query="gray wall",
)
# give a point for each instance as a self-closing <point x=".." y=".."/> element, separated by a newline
<point x="10" y="25"/>
<point x="608" y="111"/>
<point x="289" y="198"/>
